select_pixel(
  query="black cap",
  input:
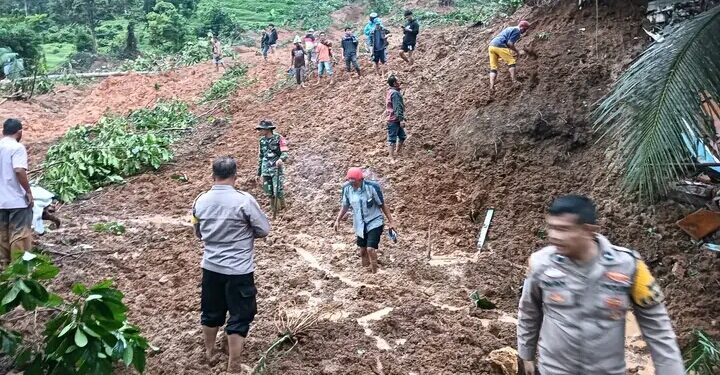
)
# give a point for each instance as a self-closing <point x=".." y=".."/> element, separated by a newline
<point x="408" y="13"/>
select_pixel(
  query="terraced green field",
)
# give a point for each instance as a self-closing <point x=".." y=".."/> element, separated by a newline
<point x="296" y="13"/>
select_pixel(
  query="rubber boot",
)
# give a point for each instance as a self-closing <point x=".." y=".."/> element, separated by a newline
<point x="364" y="257"/>
<point x="372" y="255"/>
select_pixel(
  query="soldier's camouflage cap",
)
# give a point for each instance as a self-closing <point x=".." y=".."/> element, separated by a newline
<point x="265" y="125"/>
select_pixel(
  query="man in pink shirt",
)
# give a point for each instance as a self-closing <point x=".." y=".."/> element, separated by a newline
<point x="324" y="53"/>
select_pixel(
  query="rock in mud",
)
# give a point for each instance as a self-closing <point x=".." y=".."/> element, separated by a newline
<point x="505" y="360"/>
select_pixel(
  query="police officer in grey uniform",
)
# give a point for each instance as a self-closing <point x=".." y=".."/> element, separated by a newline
<point x="575" y="298"/>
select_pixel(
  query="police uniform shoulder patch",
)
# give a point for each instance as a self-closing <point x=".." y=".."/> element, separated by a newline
<point x="645" y="290"/>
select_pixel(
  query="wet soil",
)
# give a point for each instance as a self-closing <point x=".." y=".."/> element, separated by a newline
<point x="468" y="150"/>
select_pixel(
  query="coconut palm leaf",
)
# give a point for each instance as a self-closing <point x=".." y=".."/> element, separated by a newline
<point x="703" y="357"/>
<point x="653" y="113"/>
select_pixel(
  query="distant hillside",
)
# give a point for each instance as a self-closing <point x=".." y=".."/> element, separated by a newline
<point x="257" y="14"/>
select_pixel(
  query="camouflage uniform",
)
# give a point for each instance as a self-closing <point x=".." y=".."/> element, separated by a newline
<point x="272" y="149"/>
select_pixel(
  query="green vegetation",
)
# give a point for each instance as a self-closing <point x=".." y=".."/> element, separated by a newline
<point x="112" y="227"/>
<point x="703" y="357"/>
<point x="227" y="84"/>
<point x="151" y="28"/>
<point x="57" y="53"/>
<point x="87" y="334"/>
<point x="257" y="14"/>
<point x="655" y="123"/>
<point x="88" y="157"/>
<point x="467" y="11"/>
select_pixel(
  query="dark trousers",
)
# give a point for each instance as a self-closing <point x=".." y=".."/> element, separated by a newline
<point x="228" y="293"/>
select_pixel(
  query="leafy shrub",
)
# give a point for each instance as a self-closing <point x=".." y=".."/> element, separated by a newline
<point x="192" y="53"/>
<point x="167" y="27"/>
<point x="215" y="20"/>
<point x="86" y="336"/>
<point x="23" y="40"/>
<point x="83" y="40"/>
<point x="112" y="227"/>
<point x="88" y="157"/>
<point x="227" y="84"/>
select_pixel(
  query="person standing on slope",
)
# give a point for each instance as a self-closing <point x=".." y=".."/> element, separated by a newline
<point x="379" y="44"/>
<point x="16" y="198"/>
<point x="410" y="33"/>
<point x="217" y="53"/>
<point x="273" y="153"/>
<point x="297" y="61"/>
<point x="367" y="31"/>
<point x="349" y="45"/>
<point x="265" y="43"/>
<point x="576" y="295"/>
<point x="503" y="46"/>
<point x="325" y="57"/>
<point x="395" y="109"/>
<point x="273" y="38"/>
<point x="227" y="221"/>
<point x="368" y="206"/>
<point x="309" y="41"/>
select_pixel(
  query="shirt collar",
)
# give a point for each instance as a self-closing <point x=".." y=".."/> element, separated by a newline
<point x="222" y="187"/>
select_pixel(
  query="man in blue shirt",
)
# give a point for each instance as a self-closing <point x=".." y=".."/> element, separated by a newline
<point x="503" y="46"/>
<point x="368" y="205"/>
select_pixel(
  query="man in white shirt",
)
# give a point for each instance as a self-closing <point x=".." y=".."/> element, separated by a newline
<point x="16" y="198"/>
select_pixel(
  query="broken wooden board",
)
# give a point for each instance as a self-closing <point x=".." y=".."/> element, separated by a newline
<point x="700" y="223"/>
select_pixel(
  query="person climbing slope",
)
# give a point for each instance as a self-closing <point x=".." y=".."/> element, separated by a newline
<point x="576" y="295"/>
<point x="368" y="205"/>
<point x="395" y="109"/>
<point x="297" y="61"/>
<point x="273" y="153"/>
<point x="349" y="45"/>
<point x="503" y="46"/>
<point x="410" y="33"/>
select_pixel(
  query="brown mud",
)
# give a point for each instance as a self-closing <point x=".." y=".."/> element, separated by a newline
<point x="468" y="150"/>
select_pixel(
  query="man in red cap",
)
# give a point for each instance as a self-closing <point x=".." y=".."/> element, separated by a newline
<point x="503" y="46"/>
<point x="368" y="206"/>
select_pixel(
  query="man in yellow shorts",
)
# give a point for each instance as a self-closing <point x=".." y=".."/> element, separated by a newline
<point x="503" y="46"/>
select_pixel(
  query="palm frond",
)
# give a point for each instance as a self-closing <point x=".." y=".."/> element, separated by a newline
<point x="653" y="113"/>
<point x="703" y="357"/>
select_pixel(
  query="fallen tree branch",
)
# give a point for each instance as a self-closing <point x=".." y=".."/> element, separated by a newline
<point x="212" y="110"/>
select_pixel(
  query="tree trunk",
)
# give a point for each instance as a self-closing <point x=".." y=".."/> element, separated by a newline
<point x="94" y="38"/>
<point x="27" y="11"/>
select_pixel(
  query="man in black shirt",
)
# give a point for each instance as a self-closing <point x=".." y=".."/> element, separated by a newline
<point x="410" y="31"/>
<point x="350" y="45"/>
<point x="273" y="38"/>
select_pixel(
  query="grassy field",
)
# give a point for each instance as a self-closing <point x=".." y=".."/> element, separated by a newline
<point x="296" y="13"/>
<point x="57" y="53"/>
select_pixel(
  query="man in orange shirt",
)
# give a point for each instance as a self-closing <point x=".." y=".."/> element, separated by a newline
<point x="324" y="53"/>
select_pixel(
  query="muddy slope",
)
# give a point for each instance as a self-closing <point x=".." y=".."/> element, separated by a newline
<point x="467" y="151"/>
